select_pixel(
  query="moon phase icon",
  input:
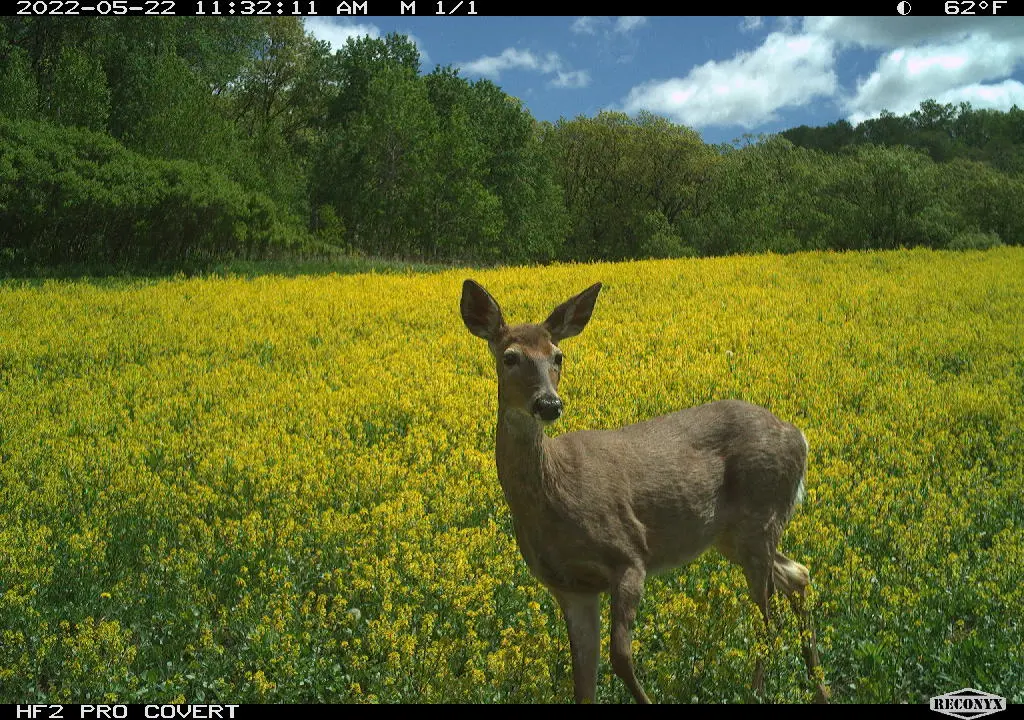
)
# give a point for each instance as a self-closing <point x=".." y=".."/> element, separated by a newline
<point x="903" y="8"/>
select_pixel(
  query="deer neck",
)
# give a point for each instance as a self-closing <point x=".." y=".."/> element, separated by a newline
<point x="522" y="456"/>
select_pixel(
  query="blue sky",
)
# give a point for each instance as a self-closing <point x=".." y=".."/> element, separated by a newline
<point x="722" y="76"/>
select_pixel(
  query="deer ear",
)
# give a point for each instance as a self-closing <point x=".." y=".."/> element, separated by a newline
<point x="480" y="311"/>
<point x="572" y="316"/>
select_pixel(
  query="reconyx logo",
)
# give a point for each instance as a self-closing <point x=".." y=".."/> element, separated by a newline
<point x="968" y="703"/>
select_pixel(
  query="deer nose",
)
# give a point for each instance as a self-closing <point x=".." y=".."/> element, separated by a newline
<point x="548" y="407"/>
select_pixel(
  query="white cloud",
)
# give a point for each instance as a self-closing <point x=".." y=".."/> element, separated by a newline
<point x="1000" y="96"/>
<point x="585" y="25"/>
<point x="493" y="65"/>
<point x="628" y="23"/>
<point x="895" y="32"/>
<point x="571" y="79"/>
<point x="749" y="23"/>
<point x="591" y="24"/>
<point x="785" y="24"/>
<point x="949" y="59"/>
<point x="997" y="97"/>
<point x="512" y="59"/>
<point x="906" y="76"/>
<point x="336" y="33"/>
<point x="786" y="70"/>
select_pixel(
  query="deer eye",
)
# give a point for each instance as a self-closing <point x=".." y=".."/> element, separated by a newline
<point x="558" y="359"/>
<point x="511" y="358"/>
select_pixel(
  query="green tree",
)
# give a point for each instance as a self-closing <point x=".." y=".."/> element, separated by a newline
<point x="18" y="85"/>
<point x="632" y="187"/>
<point x="359" y="61"/>
<point x="78" y="94"/>
<point x="515" y="170"/>
<point x="766" y="197"/>
<point x="669" y="169"/>
<point x="984" y="199"/>
<point x="380" y="163"/>
<point x="934" y="130"/>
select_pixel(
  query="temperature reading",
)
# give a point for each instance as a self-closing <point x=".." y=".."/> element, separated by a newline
<point x="468" y="8"/>
<point x="974" y="7"/>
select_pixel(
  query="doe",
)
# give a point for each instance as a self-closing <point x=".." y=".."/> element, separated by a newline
<point x="596" y="511"/>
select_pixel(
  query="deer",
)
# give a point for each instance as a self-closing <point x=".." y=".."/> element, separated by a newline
<point x="597" y="511"/>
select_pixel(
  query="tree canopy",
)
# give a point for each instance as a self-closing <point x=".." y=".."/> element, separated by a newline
<point x="142" y="141"/>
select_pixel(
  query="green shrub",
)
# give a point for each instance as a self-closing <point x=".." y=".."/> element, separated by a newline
<point x="73" y="196"/>
<point x="975" y="240"/>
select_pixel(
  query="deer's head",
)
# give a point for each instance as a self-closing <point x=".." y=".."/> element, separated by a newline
<point x="527" y="357"/>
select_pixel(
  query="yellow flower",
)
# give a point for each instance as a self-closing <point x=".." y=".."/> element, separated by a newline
<point x="289" y="483"/>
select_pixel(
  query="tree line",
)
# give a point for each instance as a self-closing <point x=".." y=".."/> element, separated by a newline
<point x="160" y="141"/>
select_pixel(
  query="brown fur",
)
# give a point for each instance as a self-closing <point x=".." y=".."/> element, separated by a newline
<point x="596" y="511"/>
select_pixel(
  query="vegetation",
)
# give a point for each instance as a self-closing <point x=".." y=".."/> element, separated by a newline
<point x="283" y="489"/>
<point x="167" y="143"/>
<point x="944" y="132"/>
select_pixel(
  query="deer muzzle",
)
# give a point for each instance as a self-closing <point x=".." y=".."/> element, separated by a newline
<point x="548" y="408"/>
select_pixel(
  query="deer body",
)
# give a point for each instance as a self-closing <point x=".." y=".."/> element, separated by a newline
<point x="598" y="510"/>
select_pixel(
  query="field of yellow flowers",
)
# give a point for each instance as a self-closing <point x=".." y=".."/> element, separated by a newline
<point x="283" y="489"/>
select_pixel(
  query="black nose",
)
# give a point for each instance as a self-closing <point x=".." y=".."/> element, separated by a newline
<point x="548" y="407"/>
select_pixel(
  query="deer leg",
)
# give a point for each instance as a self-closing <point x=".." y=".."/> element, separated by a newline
<point x="754" y="557"/>
<point x="583" y="621"/>
<point x="793" y="579"/>
<point x="626" y="594"/>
